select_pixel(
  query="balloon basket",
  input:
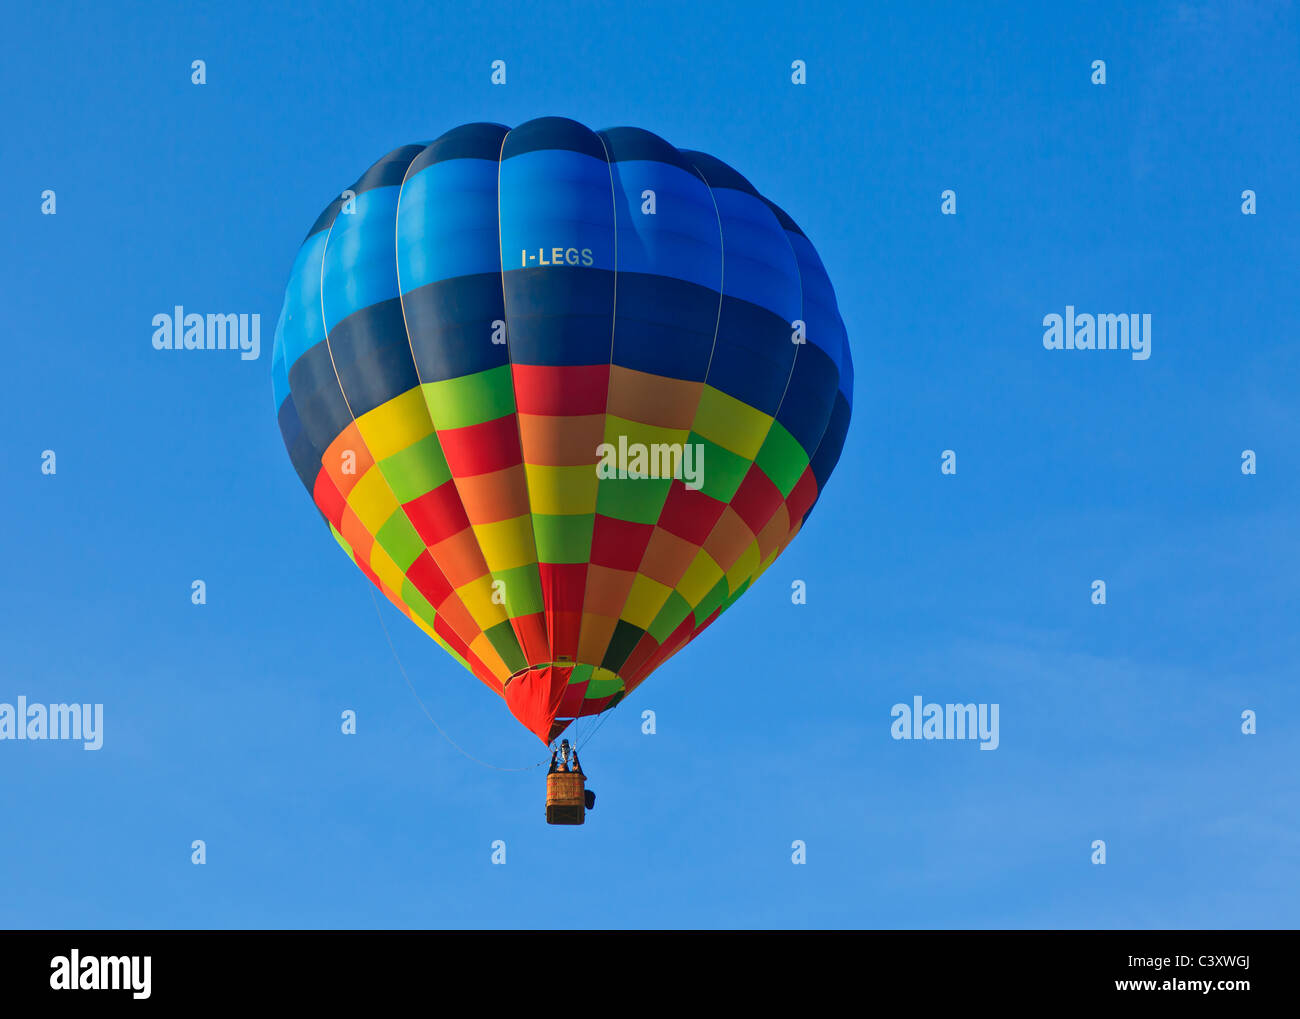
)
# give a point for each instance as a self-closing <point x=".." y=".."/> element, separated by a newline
<point x="565" y="797"/>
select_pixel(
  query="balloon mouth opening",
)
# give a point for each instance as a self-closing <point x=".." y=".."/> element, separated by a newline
<point x="548" y="696"/>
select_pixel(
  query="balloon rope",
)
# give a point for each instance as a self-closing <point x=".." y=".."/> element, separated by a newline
<point x="602" y="718"/>
<point x="411" y="687"/>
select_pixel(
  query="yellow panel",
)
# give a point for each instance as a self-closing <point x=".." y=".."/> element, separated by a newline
<point x="387" y="570"/>
<point x="372" y="500"/>
<point x="476" y="596"/>
<point x="699" y="579"/>
<point x="507" y="543"/>
<point x="743" y="568"/>
<point x="561" y="490"/>
<point x="394" y="425"/>
<point x="487" y="654"/>
<point x="644" y="601"/>
<point x="762" y="567"/>
<point x="601" y="673"/>
<point x="731" y="424"/>
<point x="638" y="432"/>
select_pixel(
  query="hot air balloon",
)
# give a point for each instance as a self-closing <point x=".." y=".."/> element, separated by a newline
<point x="562" y="395"/>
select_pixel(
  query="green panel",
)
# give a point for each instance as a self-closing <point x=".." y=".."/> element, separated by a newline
<point x="418" y="603"/>
<point x="782" y="459"/>
<point x="581" y="673"/>
<point x="602" y="688"/>
<point x="504" y="640"/>
<point x="343" y="542"/>
<point x="722" y="470"/>
<point x="711" y="601"/>
<point x="675" y="609"/>
<point x="523" y="590"/>
<point x="639" y="500"/>
<point x="733" y="598"/>
<point x="398" y="538"/>
<point x="417" y="469"/>
<point x="471" y="399"/>
<point x="563" y="539"/>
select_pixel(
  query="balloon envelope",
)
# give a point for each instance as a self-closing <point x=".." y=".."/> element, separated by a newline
<point x="562" y="395"/>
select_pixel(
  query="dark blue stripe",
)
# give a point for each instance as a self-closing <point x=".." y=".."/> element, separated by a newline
<point x="810" y="398"/>
<point x="665" y="326"/>
<point x="469" y="141"/>
<point x="450" y="325"/>
<point x="753" y="355"/>
<point x="372" y="356"/>
<point x="317" y="397"/>
<point x="559" y="315"/>
<point x="306" y="457"/>
<point x="631" y="143"/>
<point x="828" y="453"/>
<point x="719" y="174"/>
<point x="552" y="133"/>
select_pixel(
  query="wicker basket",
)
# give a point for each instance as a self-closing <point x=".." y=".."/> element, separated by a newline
<point x="565" y="797"/>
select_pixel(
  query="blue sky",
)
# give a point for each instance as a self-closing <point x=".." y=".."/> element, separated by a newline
<point x="1118" y="722"/>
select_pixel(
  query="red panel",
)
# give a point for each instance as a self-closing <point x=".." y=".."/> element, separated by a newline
<point x="534" y="698"/>
<point x="756" y="499"/>
<point x="803" y="496"/>
<point x="479" y="449"/>
<point x="595" y="706"/>
<point x="565" y="629"/>
<point x="571" y="702"/>
<point x="443" y="629"/>
<point x="690" y="514"/>
<point x="371" y="575"/>
<point x="429" y="579"/>
<point x="568" y="391"/>
<point x="619" y="544"/>
<point x="641" y="654"/>
<point x="330" y="500"/>
<point x="437" y="515"/>
<point x="531" y="631"/>
<point x="653" y="661"/>
<point x="563" y="585"/>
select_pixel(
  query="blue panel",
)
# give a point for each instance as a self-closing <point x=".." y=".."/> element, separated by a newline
<point x="820" y="313"/>
<point x="760" y="266"/>
<point x="389" y="171"/>
<point x="373" y="356"/>
<point x="469" y="141"/>
<point x="559" y="316"/>
<point x="557" y="207"/>
<point x="359" y="267"/>
<point x="681" y="239"/>
<point x="300" y="327"/>
<point x="317" y="397"/>
<point x="555" y="200"/>
<point x="719" y="174"/>
<point x="846" y="369"/>
<point x="806" y="407"/>
<point x="447" y="223"/>
<point x="304" y="455"/>
<point x="832" y="444"/>
<point x="553" y="133"/>
<point x="279" y="370"/>
<point x="753" y="354"/>
<point x="450" y="324"/>
<point x="664" y="326"/>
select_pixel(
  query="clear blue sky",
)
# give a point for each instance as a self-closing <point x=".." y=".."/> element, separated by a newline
<point x="1118" y="722"/>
